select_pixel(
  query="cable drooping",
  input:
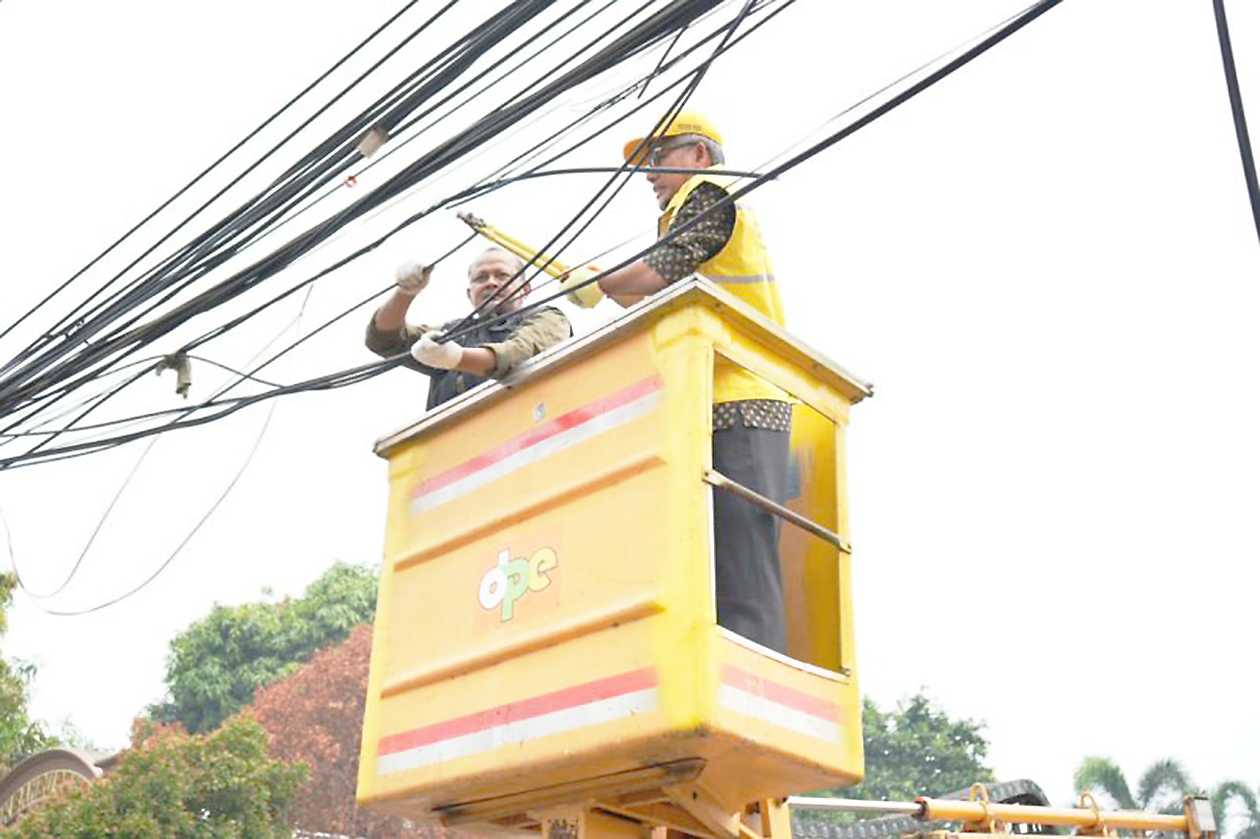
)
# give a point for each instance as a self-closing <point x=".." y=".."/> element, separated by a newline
<point x="227" y="490"/>
<point x="635" y="164"/>
<point x="214" y="246"/>
<point x="1030" y="14"/>
<point x="352" y="375"/>
<point x="204" y="518"/>
<point x="1236" y="108"/>
<point x="197" y="179"/>
<point x="485" y="187"/>
<point x="68" y="321"/>
<point x="87" y="377"/>
<point x="27" y="381"/>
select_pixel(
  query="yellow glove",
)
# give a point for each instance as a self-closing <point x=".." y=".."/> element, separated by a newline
<point x="588" y="295"/>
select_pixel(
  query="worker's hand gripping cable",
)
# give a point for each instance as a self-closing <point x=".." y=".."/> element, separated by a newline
<point x="429" y="352"/>
<point x="412" y="278"/>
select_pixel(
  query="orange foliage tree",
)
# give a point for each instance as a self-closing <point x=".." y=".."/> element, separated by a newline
<point x="316" y="716"/>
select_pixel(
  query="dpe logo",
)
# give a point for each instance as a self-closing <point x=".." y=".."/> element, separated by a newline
<point x="512" y="579"/>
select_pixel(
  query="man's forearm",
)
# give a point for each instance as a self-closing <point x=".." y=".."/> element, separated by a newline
<point x="635" y="280"/>
<point x="392" y="314"/>
<point x="477" y="360"/>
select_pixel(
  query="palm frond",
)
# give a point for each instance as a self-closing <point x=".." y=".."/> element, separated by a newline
<point x="1165" y="775"/>
<point x="1225" y="792"/>
<point x="1099" y="773"/>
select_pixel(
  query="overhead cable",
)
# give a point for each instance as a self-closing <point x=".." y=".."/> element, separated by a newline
<point x="705" y="14"/>
<point x="202" y="174"/>
<point x="1026" y="17"/>
<point x="352" y="375"/>
<point x="1236" y="108"/>
<point x="30" y="379"/>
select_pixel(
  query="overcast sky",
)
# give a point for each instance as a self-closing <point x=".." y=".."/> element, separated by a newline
<point x="1045" y="264"/>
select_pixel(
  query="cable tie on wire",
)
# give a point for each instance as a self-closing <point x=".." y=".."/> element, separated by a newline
<point x="371" y="142"/>
<point x="183" y="371"/>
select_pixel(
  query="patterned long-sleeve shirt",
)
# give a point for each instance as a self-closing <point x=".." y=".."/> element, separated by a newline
<point x="682" y="255"/>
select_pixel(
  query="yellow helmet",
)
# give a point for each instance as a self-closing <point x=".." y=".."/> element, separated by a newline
<point x="687" y="122"/>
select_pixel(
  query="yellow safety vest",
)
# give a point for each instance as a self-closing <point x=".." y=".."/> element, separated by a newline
<point x="742" y="268"/>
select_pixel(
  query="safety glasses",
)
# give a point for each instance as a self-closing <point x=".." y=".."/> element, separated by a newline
<point x="658" y="152"/>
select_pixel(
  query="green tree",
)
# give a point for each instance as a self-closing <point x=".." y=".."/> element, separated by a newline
<point x="914" y="749"/>
<point x="170" y="785"/>
<point x="19" y="734"/>
<point x="215" y="666"/>
<point x="918" y="749"/>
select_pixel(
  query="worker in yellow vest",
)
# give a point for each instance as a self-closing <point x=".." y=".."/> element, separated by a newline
<point x="751" y="418"/>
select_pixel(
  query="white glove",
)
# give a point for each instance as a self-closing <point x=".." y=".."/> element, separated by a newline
<point x="588" y="295"/>
<point x="412" y="277"/>
<point x="440" y="356"/>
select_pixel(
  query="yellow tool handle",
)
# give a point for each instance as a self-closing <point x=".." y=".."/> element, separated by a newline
<point x="516" y="246"/>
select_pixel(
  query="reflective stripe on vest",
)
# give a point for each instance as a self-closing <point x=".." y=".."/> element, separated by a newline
<point x="742" y="267"/>
<point x="751" y="278"/>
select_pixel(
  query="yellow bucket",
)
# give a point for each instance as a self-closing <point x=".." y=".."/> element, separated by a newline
<point x="546" y="623"/>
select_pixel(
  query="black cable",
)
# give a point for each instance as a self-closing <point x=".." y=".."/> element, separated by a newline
<point x="12" y="461"/>
<point x="232" y="370"/>
<point x="504" y="181"/>
<point x="469" y="140"/>
<point x="331" y="381"/>
<point x="60" y="326"/>
<point x="212" y="166"/>
<point x="245" y="213"/>
<point x="474" y="44"/>
<point x="216" y="401"/>
<point x="249" y="458"/>
<point x="661" y="63"/>
<point x="478" y="191"/>
<point x="75" y="406"/>
<point x="484" y="188"/>
<point x="400" y="145"/>
<point x="1236" y="107"/>
<point x="1030" y="14"/>
<point x="634" y="162"/>
<point x="480" y="132"/>
<point x="118" y="495"/>
<point x="100" y="524"/>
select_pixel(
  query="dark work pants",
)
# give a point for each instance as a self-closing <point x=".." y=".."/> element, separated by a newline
<point x="746" y="538"/>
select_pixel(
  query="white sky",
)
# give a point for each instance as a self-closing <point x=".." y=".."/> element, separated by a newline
<point x="1046" y="264"/>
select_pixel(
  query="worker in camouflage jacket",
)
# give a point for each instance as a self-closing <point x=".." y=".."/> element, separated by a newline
<point x="494" y="342"/>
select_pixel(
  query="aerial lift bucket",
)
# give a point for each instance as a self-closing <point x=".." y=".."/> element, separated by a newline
<point x="546" y="637"/>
